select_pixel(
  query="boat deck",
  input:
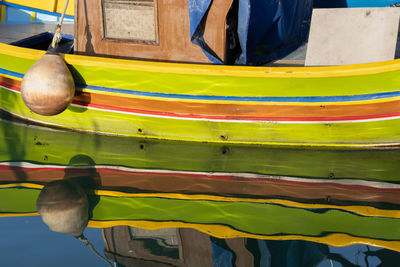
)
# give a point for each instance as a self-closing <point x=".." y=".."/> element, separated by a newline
<point x="295" y="59"/>
<point x="13" y="32"/>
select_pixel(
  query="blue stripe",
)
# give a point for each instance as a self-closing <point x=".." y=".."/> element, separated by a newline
<point x="35" y="10"/>
<point x="305" y="99"/>
<point x="11" y="73"/>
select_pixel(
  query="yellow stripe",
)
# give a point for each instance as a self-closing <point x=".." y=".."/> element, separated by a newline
<point x="55" y="2"/>
<point x="10" y="77"/>
<point x="18" y="214"/>
<point x="222" y="231"/>
<point x="26" y="53"/>
<point x="237" y="71"/>
<point x="2" y="13"/>
<point x="362" y="210"/>
<point x="27" y="185"/>
<point x="70" y="8"/>
<point x="33" y="15"/>
<point x="211" y="70"/>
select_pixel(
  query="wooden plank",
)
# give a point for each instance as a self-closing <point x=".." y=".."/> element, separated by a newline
<point x="214" y="30"/>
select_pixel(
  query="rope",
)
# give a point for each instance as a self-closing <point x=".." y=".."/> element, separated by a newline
<point x="87" y="243"/>
<point x="57" y="32"/>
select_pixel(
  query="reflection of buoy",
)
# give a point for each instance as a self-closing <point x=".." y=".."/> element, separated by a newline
<point x="64" y="207"/>
<point x="48" y="87"/>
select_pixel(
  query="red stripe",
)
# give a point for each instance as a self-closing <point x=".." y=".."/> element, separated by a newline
<point x="10" y="86"/>
<point x="210" y="176"/>
<point x="239" y="118"/>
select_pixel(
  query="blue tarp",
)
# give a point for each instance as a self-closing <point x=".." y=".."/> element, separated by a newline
<point x="267" y="29"/>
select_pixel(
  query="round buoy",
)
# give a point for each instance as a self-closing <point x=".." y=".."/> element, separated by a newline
<point x="48" y="87"/>
<point x="64" y="207"/>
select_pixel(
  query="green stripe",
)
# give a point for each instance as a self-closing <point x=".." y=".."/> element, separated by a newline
<point x="19" y="200"/>
<point x="42" y="145"/>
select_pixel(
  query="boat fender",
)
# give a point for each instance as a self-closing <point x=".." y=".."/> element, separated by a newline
<point x="48" y="86"/>
<point x="64" y="207"/>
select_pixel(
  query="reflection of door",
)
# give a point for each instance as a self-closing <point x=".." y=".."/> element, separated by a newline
<point x="165" y="247"/>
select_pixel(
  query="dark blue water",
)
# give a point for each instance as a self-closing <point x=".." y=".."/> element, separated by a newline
<point x="26" y="241"/>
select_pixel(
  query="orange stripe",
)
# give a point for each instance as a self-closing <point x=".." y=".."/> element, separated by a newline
<point x="258" y="110"/>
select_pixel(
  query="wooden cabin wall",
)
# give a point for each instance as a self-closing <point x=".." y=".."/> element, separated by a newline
<point x="172" y="33"/>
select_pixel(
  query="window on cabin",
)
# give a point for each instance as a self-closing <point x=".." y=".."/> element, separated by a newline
<point x="130" y="20"/>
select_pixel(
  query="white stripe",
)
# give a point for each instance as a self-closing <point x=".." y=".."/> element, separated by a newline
<point x="9" y="89"/>
<point x="237" y="121"/>
<point x="381" y="185"/>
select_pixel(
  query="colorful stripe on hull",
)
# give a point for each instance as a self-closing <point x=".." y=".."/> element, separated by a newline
<point x="122" y="105"/>
<point x="255" y="115"/>
<point x="231" y="112"/>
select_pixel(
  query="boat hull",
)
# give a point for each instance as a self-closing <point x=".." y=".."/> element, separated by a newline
<point x="321" y="106"/>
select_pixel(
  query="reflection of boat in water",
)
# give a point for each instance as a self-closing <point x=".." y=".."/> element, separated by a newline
<point x="228" y="217"/>
<point x="165" y="247"/>
<point x="322" y="106"/>
<point x="226" y="191"/>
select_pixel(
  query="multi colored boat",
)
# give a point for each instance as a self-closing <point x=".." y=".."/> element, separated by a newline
<point x="343" y="106"/>
<point x="226" y="252"/>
